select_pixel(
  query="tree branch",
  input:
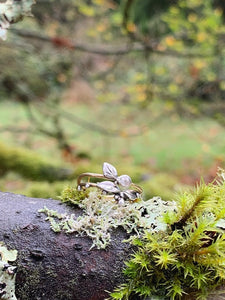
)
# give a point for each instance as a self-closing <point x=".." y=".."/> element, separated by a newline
<point x="66" y="43"/>
<point x="87" y="124"/>
<point x="57" y="266"/>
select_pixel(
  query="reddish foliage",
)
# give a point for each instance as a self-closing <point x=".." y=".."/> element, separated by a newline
<point x="68" y="154"/>
<point x="62" y="42"/>
<point x="194" y="71"/>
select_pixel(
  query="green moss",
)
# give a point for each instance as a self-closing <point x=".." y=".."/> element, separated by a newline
<point x="30" y="165"/>
<point x="45" y="189"/>
<point x="72" y="196"/>
<point x="188" y="258"/>
<point x="32" y="280"/>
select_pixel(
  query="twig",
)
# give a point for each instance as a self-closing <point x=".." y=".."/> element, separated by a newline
<point x="81" y="122"/>
<point x="16" y="129"/>
<point x="107" y="49"/>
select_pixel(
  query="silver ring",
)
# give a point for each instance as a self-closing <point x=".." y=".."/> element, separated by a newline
<point x="121" y="187"/>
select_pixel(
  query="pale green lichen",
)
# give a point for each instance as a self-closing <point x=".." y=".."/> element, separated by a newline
<point x="7" y="273"/>
<point x="13" y="11"/>
<point x="7" y="255"/>
<point x="102" y="214"/>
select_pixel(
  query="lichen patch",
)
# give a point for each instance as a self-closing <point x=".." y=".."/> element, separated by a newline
<point x="7" y="273"/>
<point x="102" y="214"/>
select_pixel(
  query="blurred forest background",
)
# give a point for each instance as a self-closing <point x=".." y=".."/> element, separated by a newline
<point x="137" y="83"/>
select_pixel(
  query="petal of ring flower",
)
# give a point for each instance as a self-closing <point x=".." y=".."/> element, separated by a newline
<point x="124" y="182"/>
<point x="132" y="195"/>
<point x="108" y="186"/>
<point x="109" y="171"/>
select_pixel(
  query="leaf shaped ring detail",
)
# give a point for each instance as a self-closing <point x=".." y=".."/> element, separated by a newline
<point x="121" y="187"/>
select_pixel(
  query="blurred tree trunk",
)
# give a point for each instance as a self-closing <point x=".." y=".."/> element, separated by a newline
<point x="30" y="165"/>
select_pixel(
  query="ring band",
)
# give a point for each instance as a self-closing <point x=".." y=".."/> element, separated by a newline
<point x="96" y="175"/>
<point x="120" y="186"/>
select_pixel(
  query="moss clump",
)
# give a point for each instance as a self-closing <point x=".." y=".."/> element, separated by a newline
<point x="45" y="189"/>
<point x="72" y="196"/>
<point x="102" y="214"/>
<point x="188" y="258"/>
<point x="30" y="165"/>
